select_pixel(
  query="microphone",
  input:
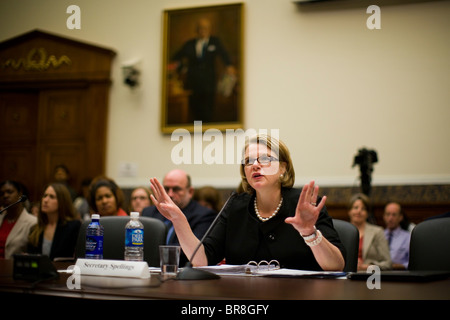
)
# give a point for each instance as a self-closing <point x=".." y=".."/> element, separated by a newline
<point x="22" y="198"/>
<point x="190" y="273"/>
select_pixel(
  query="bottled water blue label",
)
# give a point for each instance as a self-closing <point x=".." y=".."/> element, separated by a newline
<point x="134" y="238"/>
<point x="94" y="245"/>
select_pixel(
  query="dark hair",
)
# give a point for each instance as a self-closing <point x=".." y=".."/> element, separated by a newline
<point x="21" y="190"/>
<point x="111" y="185"/>
<point x="20" y="187"/>
<point x="62" y="166"/>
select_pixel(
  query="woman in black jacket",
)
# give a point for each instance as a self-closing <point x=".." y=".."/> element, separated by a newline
<point x="56" y="232"/>
<point x="269" y="221"/>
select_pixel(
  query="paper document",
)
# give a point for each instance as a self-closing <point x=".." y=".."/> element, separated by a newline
<point x="301" y="273"/>
<point x="228" y="269"/>
<point x="246" y="270"/>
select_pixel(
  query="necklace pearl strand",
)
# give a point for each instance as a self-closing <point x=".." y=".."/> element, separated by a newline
<point x="273" y="214"/>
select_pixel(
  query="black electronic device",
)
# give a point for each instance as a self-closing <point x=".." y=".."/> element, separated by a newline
<point x="402" y="275"/>
<point x="33" y="267"/>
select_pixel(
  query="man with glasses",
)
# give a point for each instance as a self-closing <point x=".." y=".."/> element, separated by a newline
<point x="177" y="184"/>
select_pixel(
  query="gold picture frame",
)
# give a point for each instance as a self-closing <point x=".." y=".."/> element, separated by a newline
<point x="202" y="81"/>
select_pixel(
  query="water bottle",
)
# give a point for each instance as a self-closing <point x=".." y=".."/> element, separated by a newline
<point x="134" y="239"/>
<point x="94" y="239"/>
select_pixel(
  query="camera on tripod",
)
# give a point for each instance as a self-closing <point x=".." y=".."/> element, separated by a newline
<point x="365" y="159"/>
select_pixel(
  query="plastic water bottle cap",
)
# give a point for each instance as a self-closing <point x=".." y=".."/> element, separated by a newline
<point x="134" y="214"/>
<point x="95" y="216"/>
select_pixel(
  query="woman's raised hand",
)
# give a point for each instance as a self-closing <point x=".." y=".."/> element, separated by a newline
<point x="307" y="210"/>
<point x="162" y="201"/>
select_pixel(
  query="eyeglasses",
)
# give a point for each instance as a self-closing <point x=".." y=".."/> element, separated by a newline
<point x="263" y="160"/>
<point x="175" y="189"/>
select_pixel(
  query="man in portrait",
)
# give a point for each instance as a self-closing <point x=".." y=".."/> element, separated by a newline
<point x="195" y="62"/>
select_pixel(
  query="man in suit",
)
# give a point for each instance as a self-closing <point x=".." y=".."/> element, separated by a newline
<point x="198" y="57"/>
<point x="397" y="237"/>
<point x="179" y="188"/>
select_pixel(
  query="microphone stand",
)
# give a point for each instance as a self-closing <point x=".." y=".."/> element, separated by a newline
<point x="22" y="198"/>
<point x="189" y="273"/>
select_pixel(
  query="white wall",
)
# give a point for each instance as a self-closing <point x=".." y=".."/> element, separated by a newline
<point x="327" y="82"/>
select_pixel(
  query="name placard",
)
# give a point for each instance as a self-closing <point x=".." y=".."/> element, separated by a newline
<point x="114" y="268"/>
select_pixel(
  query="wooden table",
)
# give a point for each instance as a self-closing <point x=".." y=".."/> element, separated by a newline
<point x="226" y="288"/>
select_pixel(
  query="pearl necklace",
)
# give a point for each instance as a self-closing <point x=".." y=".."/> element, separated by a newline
<point x="273" y="214"/>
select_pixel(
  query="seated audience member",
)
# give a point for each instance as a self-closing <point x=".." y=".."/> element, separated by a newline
<point x="16" y="222"/>
<point x="140" y="199"/>
<point x="56" y="233"/>
<point x="62" y="175"/>
<point x="373" y="246"/>
<point x="106" y="198"/>
<point x="271" y="220"/>
<point x="177" y="185"/>
<point x="81" y="203"/>
<point x="208" y="197"/>
<point x="34" y="208"/>
<point x="398" y="238"/>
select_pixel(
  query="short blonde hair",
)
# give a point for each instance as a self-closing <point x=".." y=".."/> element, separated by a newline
<point x="288" y="179"/>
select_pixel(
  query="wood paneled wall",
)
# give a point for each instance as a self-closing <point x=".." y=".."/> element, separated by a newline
<point x="418" y="201"/>
<point x="53" y="109"/>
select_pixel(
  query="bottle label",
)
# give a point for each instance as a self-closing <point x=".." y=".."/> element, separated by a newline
<point x="134" y="238"/>
<point x="94" y="245"/>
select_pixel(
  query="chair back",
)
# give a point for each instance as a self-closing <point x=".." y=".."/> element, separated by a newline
<point x="349" y="236"/>
<point x="429" y="248"/>
<point x="114" y="238"/>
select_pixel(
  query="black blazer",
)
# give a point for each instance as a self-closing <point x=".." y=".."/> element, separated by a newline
<point x="201" y="75"/>
<point x="64" y="240"/>
<point x="239" y="236"/>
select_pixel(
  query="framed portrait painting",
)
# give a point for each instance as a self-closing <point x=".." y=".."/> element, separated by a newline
<point x="202" y="68"/>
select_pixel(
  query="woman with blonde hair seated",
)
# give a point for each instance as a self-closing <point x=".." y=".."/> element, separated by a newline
<point x="271" y="220"/>
<point x="140" y="199"/>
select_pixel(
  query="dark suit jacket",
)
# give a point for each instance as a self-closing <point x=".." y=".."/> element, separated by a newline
<point x="198" y="216"/>
<point x="239" y="236"/>
<point x="64" y="240"/>
<point x="201" y="71"/>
